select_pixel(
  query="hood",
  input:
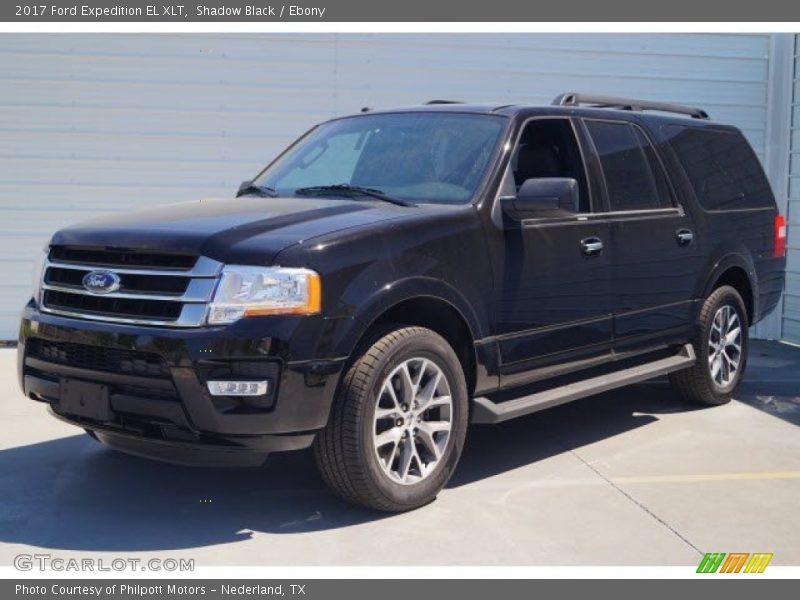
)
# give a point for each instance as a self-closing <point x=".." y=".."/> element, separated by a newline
<point x="249" y="230"/>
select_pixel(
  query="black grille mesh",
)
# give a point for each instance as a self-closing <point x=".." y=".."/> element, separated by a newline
<point x="121" y="258"/>
<point x="84" y="356"/>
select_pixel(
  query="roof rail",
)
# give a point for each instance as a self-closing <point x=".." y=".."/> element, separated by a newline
<point x="444" y="102"/>
<point x="596" y="101"/>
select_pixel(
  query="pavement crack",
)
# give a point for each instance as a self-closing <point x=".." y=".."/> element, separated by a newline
<point x="669" y="527"/>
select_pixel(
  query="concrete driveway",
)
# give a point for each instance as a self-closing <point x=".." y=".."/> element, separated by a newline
<point x="631" y="477"/>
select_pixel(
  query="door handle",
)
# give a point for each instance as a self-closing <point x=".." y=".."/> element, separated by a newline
<point x="592" y="246"/>
<point x="684" y="237"/>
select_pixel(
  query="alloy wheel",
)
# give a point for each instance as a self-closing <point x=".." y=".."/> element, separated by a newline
<point x="413" y="420"/>
<point x="725" y="346"/>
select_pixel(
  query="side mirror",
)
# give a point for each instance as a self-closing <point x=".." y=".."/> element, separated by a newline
<point x="243" y="187"/>
<point x="544" y="197"/>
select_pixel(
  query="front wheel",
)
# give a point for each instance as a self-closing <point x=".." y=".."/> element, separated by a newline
<point x="721" y="343"/>
<point x="398" y="423"/>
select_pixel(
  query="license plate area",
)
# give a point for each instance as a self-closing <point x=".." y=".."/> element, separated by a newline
<point x="84" y="399"/>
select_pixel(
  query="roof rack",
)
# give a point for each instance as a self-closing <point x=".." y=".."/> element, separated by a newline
<point x="444" y="102"/>
<point x="596" y="101"/>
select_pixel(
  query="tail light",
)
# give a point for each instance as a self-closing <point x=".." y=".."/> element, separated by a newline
<point x="780" y="236"/>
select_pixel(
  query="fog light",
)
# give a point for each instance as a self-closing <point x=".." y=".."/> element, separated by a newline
<point x="238" y="388"/>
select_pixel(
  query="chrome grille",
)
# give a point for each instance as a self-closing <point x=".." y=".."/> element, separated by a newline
<point x="155" y="288"/>
<point x="149" y="284"/>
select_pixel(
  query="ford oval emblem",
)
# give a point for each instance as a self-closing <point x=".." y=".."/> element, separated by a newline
<point x="101" y="282"/>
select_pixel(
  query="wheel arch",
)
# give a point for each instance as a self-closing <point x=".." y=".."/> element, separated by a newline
<point x="734" y="270"/>
<point x="441" y="317"/>
<point x="432" y="305"/>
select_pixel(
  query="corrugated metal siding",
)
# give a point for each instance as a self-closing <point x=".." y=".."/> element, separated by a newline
<point x="791" y="303"/>
<point x="97" y="123"/>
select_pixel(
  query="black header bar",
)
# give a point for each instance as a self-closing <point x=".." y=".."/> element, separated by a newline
<point x="332" y="11"/>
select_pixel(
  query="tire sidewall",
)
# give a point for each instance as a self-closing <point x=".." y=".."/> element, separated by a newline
<point x="726" y="296"/>
<point x="429" y="345"/>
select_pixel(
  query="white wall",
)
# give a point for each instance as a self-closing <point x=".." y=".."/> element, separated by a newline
<point x="98" y="123"/>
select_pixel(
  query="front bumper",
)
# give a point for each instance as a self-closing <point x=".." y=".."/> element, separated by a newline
<point x="153" y="381"/>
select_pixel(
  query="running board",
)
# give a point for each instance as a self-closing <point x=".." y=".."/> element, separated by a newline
<point x="486" y="411"/>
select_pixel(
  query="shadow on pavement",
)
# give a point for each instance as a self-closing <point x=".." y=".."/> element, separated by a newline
<point x="71" y="493"/>
<point x="495" y="449"/>
<point x="772" y="380"/>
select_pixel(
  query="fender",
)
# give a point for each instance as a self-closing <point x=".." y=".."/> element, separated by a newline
<point x="725" y="262"/>
<point x="392" y="294"/>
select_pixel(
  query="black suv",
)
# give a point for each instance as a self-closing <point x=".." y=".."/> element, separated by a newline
<point x="397" y="274"/>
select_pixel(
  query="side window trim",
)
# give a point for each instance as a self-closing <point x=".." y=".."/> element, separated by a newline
<point x="607" y="217"/>
<point x="675" y="208"/>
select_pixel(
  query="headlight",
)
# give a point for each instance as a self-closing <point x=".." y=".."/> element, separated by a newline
<point x="38" y="272"/>
<point x="254" y="291"/>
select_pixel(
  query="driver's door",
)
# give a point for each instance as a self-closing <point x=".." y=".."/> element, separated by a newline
<point x="553" y="294"/>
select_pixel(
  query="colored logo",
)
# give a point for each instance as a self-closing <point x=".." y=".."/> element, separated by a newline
<point x="101" y="282"/>
<point x="735" y="562"/>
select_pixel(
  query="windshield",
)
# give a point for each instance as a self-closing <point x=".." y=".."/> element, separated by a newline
<point x="417" y="157"/>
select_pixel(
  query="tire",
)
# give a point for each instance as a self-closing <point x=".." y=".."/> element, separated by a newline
<point x="705" y="383"/>
<point x="366" y="457"/>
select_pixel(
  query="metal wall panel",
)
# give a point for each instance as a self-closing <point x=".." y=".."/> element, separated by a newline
<point x="791" y="305"/>
<point x="91" y="124"/>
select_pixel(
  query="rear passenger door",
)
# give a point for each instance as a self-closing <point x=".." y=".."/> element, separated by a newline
<point x="653" y="248"/>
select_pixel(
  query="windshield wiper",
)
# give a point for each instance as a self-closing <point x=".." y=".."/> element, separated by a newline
<point x="257" y="190"/>
<point x="345" y="189"/>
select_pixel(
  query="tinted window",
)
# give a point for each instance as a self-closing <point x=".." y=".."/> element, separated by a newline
<point x="548" y="148"/>
<point x="722" y="167"/>
<point x="634" y="178"/>
<point x="660" y="179"/>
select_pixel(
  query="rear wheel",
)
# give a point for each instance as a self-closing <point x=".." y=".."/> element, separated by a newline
<point x="398" y="423"/>
<point x="721" y="344"/>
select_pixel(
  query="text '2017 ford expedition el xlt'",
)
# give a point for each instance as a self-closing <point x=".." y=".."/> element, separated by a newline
<point x="397" y="274"/>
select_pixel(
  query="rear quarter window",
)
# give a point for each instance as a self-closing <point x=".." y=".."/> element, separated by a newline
<point x="722" y="168"/>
